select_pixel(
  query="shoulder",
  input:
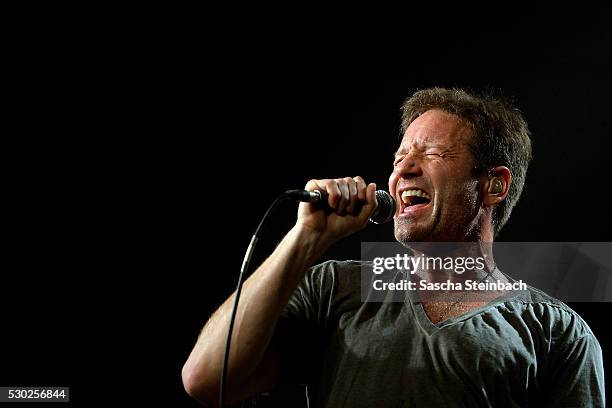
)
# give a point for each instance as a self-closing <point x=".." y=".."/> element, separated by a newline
<point x="549" y="315"/>
<point x="334" y="273"/>
<point x="335" y="266"/>
<point x="334" y="286"/>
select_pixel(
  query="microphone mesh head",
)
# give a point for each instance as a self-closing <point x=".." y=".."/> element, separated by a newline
<point x="386" y="208"/>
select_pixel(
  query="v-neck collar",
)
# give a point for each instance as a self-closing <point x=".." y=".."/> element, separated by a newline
<point x="414" y="303"/>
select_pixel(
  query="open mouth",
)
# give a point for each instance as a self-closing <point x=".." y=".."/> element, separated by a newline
<point x="413" y="199"/>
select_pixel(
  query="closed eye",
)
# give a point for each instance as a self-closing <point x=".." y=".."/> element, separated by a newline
<point x="434" y="153"/>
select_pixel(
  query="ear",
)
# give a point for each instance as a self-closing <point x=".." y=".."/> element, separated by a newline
<point x="496" y="186"/>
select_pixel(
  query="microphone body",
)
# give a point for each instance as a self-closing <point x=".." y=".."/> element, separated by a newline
<point x="384" y="211"/>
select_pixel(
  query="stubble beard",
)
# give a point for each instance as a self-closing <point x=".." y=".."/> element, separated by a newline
<point x="405" y="232"/>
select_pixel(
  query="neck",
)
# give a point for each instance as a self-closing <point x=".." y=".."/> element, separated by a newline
<point x="454" y="261"/>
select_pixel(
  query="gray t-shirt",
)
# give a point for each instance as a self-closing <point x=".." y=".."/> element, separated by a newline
<point x="527" y="349"/>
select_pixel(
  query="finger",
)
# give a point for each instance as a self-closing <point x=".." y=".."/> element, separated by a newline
<point x="371" y="204"/>
<point x="313" y="184"/>
<point x="344" y="197"/>
<point x="353" y="197"/>
<point x="329" y="186"/>
<point x="361" y="188"/>
<point x="334" y="194"/>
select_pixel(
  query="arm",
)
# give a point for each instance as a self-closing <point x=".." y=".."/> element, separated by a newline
<point x="253" y="365"/>
<point x="578" y="378"/>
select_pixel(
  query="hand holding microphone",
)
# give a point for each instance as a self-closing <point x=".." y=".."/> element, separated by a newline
<point x="340" y="207"/>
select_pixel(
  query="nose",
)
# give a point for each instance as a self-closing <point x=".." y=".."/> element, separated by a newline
<point x="408" y="167"/>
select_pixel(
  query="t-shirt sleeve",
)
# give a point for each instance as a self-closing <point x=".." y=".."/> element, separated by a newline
<point x="300" y="331"/>
<point x="577" y="377"/>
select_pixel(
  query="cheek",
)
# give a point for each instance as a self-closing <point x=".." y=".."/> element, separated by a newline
<point x="393" y="182"/>
<point x="467" y="195"/>
<point x="459" y="194"/>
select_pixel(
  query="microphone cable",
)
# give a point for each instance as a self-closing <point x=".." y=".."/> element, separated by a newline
<point x="243" y="270"/>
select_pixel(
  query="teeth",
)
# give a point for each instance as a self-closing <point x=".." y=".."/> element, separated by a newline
<point x="412" y="193"/>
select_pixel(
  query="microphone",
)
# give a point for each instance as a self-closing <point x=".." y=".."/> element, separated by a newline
<point x="384" y="211"/>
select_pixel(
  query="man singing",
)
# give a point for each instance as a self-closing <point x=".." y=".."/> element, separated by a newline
<point x="458" y="172"/>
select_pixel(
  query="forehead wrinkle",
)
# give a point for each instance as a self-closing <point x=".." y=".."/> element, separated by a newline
<point x="447" y="134"/>
<point x="422" y="143"/>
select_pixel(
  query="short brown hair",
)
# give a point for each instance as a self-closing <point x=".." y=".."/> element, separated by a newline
<point x="501" y="135"/>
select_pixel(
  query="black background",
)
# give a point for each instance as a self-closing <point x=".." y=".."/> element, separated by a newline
<point x="141" y="162"/>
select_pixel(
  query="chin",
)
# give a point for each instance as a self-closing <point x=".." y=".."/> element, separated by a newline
<point x="405" y="235"/>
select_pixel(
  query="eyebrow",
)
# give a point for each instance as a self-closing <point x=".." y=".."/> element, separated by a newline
<point x="419" y="147"/>
<point x="401" y="150"/>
